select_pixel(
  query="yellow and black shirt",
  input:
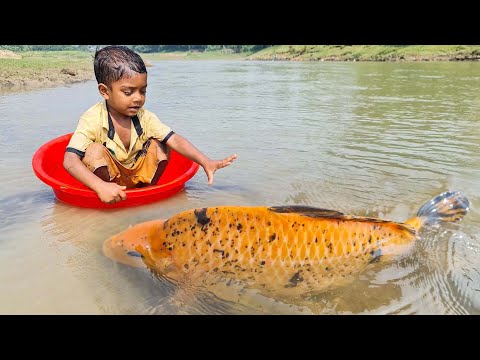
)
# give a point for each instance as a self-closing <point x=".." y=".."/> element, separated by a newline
<point x="95" y="125"/>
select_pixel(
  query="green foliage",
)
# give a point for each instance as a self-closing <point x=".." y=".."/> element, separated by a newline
<point x="44" y="47"/>
<point x="198" y="48"/>
<point x="145" y="49"/>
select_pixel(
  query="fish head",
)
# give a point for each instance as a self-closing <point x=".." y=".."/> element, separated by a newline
<point x="133" y="246"/>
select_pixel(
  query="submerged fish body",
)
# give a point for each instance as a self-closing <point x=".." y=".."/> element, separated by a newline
<point x="282" y="250"/>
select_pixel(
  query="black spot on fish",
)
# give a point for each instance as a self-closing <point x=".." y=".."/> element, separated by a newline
<point x="295" y="280"/>
<point x="239" y="227"/>
<point x="219" y="251"/>
<point x="201" y="216"/>
<point x="262" y="262"/>
<point x="272" y="237"/>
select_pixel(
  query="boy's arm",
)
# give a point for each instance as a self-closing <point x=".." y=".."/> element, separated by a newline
<point x="107" y="192"/>
<point x="185" y="148"/>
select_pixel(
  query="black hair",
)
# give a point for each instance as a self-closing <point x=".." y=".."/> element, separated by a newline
<point x="115" y="62"/>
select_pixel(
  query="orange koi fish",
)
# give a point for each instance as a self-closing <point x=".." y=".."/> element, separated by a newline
<point x="286" y="250"/>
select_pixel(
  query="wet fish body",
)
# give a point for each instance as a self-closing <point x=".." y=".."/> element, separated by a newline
<point x="282" y="249"/>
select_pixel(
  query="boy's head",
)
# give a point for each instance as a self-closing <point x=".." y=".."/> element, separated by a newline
<point x="122" y="79"/>
<point x="115" y="62"/>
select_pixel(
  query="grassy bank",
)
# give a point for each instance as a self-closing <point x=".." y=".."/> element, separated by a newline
<point x="37" y="69"/>
<point x="44" y="68"/>
<point x="370" y="53"/>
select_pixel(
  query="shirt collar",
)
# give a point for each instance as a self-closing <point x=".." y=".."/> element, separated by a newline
<point x="108" y="123"/>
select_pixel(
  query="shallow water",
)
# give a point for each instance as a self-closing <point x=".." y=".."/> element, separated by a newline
<point x="376" y="139"/>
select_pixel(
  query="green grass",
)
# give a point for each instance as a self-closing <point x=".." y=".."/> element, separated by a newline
<point x="35" y="62"/>
<point x="45" y="60"/>
<point x="369" y="52"/>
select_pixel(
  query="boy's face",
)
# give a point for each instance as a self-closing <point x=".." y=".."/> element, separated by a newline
<point x="127" y="95"/>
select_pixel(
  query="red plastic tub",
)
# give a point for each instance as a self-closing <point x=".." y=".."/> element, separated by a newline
<point x="47" y="164"/>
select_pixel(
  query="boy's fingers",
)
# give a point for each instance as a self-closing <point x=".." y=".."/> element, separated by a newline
<point x="228" y="161"/>
<point x="122" y="194"/>
<point x="231" y="158"/>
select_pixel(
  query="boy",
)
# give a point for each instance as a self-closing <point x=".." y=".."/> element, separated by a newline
<point x="118" y="144"/>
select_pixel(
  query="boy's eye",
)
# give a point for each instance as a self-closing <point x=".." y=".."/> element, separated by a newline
<point x="127" y="93"/>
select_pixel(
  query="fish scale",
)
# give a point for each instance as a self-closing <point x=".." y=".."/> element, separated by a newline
<point x="282" y="250"/>
<point x="256" y="244"/>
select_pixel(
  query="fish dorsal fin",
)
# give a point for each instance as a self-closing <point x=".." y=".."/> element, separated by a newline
<point x="319" y="213"/>
<point x="307" y="211"/>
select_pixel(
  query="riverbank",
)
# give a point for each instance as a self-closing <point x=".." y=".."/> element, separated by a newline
<point x="40" y="69"/>
<point x="369" y="53"/>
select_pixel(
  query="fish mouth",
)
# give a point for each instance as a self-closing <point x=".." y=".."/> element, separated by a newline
<point x="113" y="248"/>
<point x="130" y="246"/>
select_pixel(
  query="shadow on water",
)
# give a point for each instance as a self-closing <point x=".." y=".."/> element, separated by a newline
<point x="24" y="206"/>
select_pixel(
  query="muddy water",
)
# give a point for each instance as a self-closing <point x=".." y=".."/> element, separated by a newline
<point x="376" y="139"/>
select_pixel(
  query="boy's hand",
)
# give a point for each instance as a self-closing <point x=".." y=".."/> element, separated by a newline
<point x="213" y="165"/>
<point x="111" y="193"/>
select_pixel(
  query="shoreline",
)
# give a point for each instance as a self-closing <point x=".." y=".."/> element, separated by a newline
<point x="10" y="83"/>
<point x="370" y="53"/>
<point x="32" y="70"/>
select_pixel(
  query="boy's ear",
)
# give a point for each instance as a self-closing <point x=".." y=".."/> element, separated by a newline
<point x="103" y="90"/>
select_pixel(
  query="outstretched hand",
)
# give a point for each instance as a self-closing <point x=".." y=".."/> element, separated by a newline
<point x="213" y="165"/>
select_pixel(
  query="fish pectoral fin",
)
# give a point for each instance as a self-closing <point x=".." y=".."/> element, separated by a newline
<point x="309" y="211"/>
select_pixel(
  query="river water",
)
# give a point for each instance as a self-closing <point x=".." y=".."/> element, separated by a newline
<point x="372" y="139"/>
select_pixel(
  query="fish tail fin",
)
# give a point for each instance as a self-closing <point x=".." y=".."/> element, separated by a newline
<point x="447" y="207"/>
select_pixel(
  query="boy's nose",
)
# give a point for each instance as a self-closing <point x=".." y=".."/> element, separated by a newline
<point x="138" y="98"/>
